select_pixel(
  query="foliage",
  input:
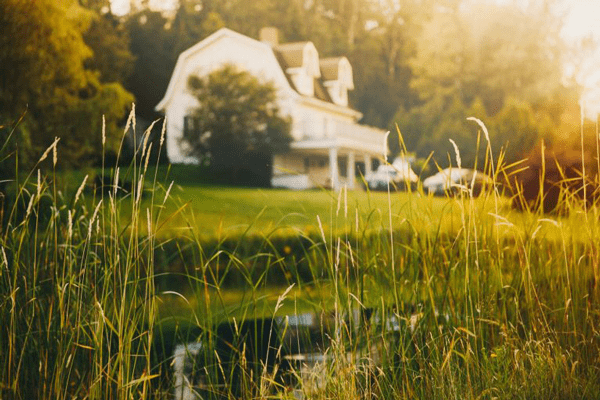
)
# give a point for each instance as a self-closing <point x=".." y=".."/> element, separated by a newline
<point x="37" y="51"/>
<point x="156" y="41"/>
<point x="152" y="46"/>
<point x="382" y="75"/>
<point x="517" y="128"/>
<point x="514" y="130"/>
<point x="463" y="56"/>
<point x="42" y="56"/>
<point x="462" y="67"/>
<point x="193" y="22"/>
<point x="236" y="126"/>
<point x="559" y="174"/>
<point x="109" y="41"/>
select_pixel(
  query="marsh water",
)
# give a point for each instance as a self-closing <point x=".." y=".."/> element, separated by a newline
<point x="293" y="350"/>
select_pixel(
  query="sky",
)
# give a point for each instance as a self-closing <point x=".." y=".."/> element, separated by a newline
<point x="582" y="20"/>
<point x="121" y="7"/>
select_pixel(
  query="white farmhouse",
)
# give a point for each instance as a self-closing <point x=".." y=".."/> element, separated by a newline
<point x="328" y="141"/>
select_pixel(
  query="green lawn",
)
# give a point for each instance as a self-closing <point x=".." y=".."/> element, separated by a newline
<point x="195" y="207"/>
<point x="218" y="211"/>
<point x="208" y="211"/>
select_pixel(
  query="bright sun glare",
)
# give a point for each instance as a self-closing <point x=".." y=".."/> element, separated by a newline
<point x="581" y="23"/>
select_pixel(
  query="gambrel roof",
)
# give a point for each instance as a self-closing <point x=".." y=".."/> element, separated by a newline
<point x="292" y="58"/>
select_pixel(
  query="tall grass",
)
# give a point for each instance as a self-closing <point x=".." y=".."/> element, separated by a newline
<point x="476" y="302"/>
<point x="77" y="291"/>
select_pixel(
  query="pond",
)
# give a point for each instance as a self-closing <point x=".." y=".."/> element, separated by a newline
<point x="285" y="349"/>
<point x="294" y="353"/>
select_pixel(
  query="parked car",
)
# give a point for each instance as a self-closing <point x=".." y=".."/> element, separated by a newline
<point x="451" y="180"/>
<point x="399" y="174"/>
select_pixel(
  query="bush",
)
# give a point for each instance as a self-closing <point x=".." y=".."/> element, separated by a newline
<point x="553" y="179"/>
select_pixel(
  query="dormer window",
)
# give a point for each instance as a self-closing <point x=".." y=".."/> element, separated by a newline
<point x="337" y="77"/>
<point x="309" y="74"/>
<point x="302" y="64"/>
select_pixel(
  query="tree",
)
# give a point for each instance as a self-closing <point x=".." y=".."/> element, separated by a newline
<point x="440" y="64"/>
<point x="236" y="127"/>
<point x="193" y="21"/>
<point x="515" y="130"/>
<point x="460" y="53"/>
<point x="463" y="67"/>
<point x="109" y="41"/>
<point x="43" y="75"/>
<point x="152" y="45"/>
<point x="379" y="61"/>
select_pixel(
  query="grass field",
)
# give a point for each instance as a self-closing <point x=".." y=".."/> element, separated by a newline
<point x="209" y="211"/>
<point x="214" y="210"/>
<point x="500" y="304"/>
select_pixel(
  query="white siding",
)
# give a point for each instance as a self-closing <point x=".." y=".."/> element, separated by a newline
<point x="257" y="59"/>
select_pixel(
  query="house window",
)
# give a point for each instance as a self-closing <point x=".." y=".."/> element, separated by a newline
<point x="306" y="164"/>
<point x="187" y="120"/>
<point x="374" y="164"/>
<point x="190" y="124"/>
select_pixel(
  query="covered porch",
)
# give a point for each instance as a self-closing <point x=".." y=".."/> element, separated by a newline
<point x="329" y="158"/>
<point x="332" y="168"/>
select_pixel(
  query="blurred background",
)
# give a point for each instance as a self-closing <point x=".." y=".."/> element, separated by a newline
<point x="528" y="69"/>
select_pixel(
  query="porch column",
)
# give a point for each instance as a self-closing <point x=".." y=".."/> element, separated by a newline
<point x="350" y="171"/>
<point x="368" y="164"/>
<point x="333" y="168"/>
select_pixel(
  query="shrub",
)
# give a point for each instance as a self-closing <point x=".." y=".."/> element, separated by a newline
<point x="553" y="179"/>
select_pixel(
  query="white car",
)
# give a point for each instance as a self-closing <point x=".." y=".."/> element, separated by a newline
<point x="451" y="180"/>
<point x="398" y="174"/>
